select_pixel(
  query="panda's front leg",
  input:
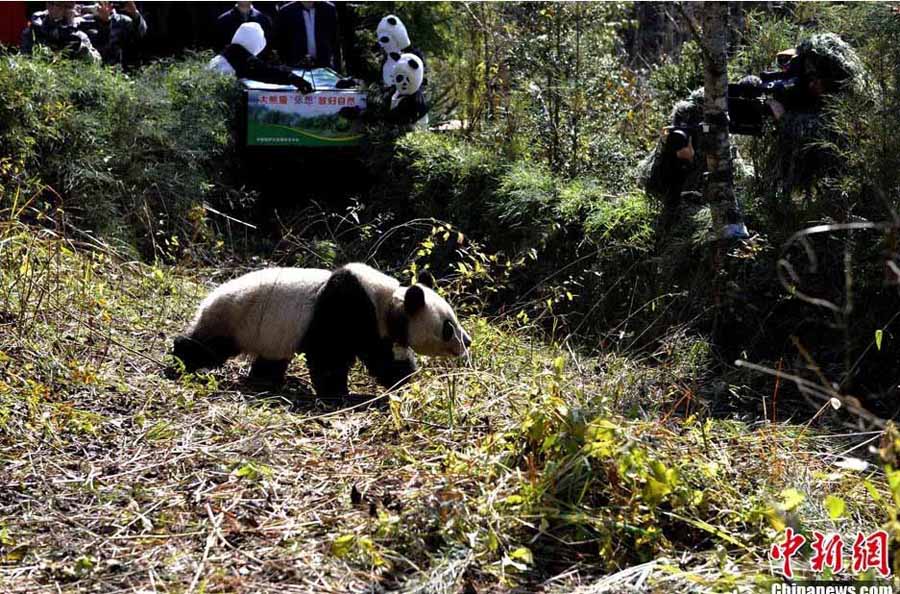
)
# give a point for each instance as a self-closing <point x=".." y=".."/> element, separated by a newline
<point x="269" y="371"/>
<point x="390" y="366"/>
<point x="330" y="376"/>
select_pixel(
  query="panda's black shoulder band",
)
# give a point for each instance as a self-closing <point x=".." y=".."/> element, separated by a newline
<point x="397" y="325"/>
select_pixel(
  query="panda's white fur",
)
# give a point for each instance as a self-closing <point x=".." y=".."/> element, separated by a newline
<point x="266" y="312"/>
<point x="274" y="313"/>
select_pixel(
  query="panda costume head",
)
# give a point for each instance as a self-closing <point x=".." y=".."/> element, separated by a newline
<point x="249" y="36"/>
<point x="392" y="34"/>
<point x="332" y="317"/>
<point x="406" y="77"/>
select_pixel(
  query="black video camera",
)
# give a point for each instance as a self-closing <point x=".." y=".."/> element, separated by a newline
<point x="678" y="137"/>
<point x="747" y="109"/>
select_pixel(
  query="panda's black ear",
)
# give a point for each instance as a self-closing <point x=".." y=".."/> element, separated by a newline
<point x="414" y="64"/>
<point x="425" y="279"/>
<point x="414" y="300"/>
<point x="392" y="21"/>
<point x="395" y="56"/>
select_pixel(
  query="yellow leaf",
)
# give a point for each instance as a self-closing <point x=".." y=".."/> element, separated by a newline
<point x="835" y="506"/>
<point x="791" y="498"/>
<point x="341" y="545"/>
<point x="522" y="554"/>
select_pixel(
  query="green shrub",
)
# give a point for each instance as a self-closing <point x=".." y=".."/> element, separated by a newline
<point x="132" y="157"/>
<point x="607" y="215"/>
<point x="675" y="78"/>
<point x="526" y="198"/>
<point x="446" y="178"/>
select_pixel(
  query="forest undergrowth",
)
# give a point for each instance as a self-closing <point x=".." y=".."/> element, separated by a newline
<point x="529" y="466"/>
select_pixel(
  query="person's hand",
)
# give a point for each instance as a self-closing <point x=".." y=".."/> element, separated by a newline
<point x="302" y="84"/>
<point x="686" y="153"/>
<point x="776" y="107"/>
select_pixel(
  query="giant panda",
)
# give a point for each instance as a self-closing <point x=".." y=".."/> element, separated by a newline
<point x="332" y="317"/>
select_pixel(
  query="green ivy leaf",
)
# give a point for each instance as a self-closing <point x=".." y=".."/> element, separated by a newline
<point x="879" y="334"/>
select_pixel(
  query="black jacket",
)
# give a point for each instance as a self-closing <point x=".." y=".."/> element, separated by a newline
<point x="290" y="35"/>
<point x="229" y="21"/>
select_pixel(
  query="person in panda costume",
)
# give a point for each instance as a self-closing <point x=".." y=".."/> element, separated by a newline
<point x="402" y="105"/>
<point x="402" y="96"/>
<point x="334" y="318"/>
<point x="239" y="58"/>
<point x="407" y="104"/>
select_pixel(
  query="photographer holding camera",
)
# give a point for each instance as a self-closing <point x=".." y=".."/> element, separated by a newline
<point x="824" y="68"/>
<point x="57" y="28"/>
<point x="784" y="107"/>
<point x="114" y="28"/>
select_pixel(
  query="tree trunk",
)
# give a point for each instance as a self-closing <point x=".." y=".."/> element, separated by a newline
<point x="719" y="191"/>
<point x="575" y="162"/>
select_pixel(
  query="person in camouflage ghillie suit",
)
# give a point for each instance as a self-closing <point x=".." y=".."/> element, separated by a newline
<point x="795" y="157"/>
<point x="676" y="165"/>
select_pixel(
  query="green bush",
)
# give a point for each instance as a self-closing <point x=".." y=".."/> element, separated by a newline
<point x="526" y="199"/>
<point x="608" y="216"/>
<point x="674" y="79"/>
<point x="131" y="157"/>
<point x="446" y="178"/>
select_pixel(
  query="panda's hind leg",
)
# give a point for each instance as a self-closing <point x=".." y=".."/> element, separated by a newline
<point x="269" y="371"/>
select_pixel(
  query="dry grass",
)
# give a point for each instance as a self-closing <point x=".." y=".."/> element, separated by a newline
<point x="530" y="468"/>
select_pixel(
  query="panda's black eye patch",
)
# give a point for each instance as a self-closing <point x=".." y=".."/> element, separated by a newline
<point x="384" y="39"/>
<point x="399" y="78"/>
<point x="448" y="331"/>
